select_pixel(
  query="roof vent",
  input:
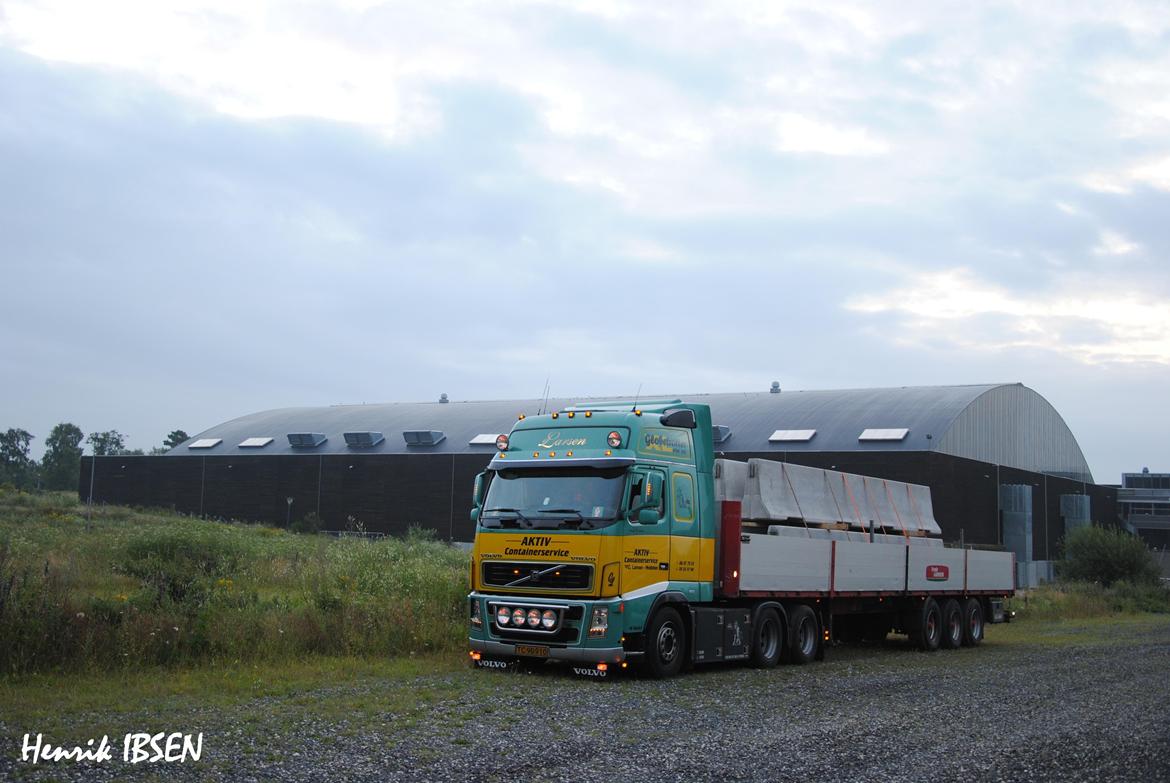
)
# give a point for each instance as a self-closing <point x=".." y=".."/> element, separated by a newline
<point x="443" y="397"/>
<point x="1144" y="470"/>
<point x="720" y="432"/>
<point x="423" y="437"/>
<point x="884" y="434"/>
<point x="306" y="440"/>
<point x="775" y="387"/>
<point x="205" y="443"/>
<point x="254" y="443"/>
<point x="484" y="439"/>
<point x="363" y="440"/>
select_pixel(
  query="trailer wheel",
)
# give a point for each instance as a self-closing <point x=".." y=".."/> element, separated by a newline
<point x="952" y="624"/>
<point x="767" y="642"/>
<point x="972" y="622"/>
<point x="924" y="625"/>
<point x="803" y="635"/>
<point x="666" y="643"/>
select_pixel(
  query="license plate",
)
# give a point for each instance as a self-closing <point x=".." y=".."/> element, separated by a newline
<point x="532" y="650"/>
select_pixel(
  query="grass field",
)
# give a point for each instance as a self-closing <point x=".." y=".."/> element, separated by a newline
<point x="128" y="590"/>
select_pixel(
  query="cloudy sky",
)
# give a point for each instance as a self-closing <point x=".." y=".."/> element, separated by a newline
<point x="213" y="208"/>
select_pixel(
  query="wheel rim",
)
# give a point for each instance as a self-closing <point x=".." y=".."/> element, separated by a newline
<point x="931" y="626"/>
<point x="667" y="643"/>
<point x="976" y="625"/>
<point x="769" y="639"/>
<point x="955" y="627"/>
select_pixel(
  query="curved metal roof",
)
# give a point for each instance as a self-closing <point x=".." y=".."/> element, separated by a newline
<point x="1006" y="424"/>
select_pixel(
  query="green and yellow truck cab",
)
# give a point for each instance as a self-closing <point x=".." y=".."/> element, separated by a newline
<point x="592" y="522"/>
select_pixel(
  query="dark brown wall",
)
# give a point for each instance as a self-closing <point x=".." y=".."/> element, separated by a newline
<point x="391" y="492"/>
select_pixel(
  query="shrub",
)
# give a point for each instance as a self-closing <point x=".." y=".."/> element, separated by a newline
<point x="1106" y="555"/>
<point x="309" y="523"/>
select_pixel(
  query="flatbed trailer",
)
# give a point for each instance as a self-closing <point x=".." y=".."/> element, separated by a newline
<point x="610" y="535"/>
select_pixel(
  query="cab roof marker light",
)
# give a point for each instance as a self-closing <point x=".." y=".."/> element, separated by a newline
<point x="571" y="414"/>
<point x="568" y="453"/>
<point x="520" y="417"/>
<point x="589" y="414"/>
<point x="555" y="414"/>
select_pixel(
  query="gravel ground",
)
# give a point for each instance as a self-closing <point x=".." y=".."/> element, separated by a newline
<point x="1086" y="710"/>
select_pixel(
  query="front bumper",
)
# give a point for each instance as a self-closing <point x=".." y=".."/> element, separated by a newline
<point x="574" y="654"/>
<point x="580" y="648"/>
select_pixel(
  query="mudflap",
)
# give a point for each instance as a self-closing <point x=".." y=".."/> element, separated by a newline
<point x="497" y="664"/>
<point x="590" y="672"/>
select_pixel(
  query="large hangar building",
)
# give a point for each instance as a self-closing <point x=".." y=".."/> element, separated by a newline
<point x="1003" y="467"/>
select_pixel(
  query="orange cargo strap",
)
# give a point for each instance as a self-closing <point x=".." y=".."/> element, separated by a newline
<point x="894" y="506"/>
<point x="795" y="499"/>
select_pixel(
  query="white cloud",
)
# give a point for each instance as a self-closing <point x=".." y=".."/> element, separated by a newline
<point x="798" y="133"/>
<point x="1094" y="325"/>
<point x="1114" y="244"/>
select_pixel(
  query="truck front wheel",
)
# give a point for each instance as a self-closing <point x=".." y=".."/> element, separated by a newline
<point x="767" y="642"/>
<point x="666" y="643"/>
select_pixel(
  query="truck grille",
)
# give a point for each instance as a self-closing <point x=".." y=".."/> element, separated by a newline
<point x="564" y="577"/>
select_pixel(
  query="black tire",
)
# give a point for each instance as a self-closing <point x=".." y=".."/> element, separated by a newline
<point x="666" y="643"/>
<point x="924" y="625"/>
<point x="804" y="635"/>
<point x="972" y="622"/>
<point x="767" y="639"/>
<point x="952" y="625"/>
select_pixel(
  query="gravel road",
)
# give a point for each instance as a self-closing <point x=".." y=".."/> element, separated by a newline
<point x="1057" y="710"/>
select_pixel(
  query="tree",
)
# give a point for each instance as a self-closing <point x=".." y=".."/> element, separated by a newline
<point x="175" y="438"/>
<point x="62" y="461"/>
<point x="106" y="443"/>
<point x="16" y="467"/>
<point x="1106" y="555"/>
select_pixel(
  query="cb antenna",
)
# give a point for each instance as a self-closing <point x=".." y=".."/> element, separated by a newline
<point x="544" y="403"/>
<point x="637" y="394"/>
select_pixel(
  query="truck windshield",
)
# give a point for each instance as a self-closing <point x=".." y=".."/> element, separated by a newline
<point x="554" y="497"/>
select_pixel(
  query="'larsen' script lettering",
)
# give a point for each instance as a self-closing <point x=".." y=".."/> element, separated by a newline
<point x="554" y="440"/>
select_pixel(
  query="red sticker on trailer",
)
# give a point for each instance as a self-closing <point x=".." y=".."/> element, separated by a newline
<point x="938" y="573"/>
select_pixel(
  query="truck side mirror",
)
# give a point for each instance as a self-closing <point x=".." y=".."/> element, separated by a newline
<point x="652" y="496"/>
<point x="475" y="515"/>
<point x="648" y="515"/>
<point x="477" y="491"/>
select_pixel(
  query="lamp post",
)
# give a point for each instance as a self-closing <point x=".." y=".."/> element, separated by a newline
<point x="288" y="514"/>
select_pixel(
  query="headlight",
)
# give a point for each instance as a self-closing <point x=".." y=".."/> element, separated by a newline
<point x="503" y="615"/>
<point x="599" y="623"/>
<point x="533" y="618"/>
<point x="548" y="619"/>
<point x="518" y="617"/>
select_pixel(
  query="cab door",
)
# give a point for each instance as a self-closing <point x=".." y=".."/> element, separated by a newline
<point x="685" y="540"/>
<point x="645" y="545"/>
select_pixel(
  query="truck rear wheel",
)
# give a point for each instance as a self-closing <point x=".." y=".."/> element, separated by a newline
<point x="767" y="642"/>
<point x="666" y="643"/>
<point x="803" y="635"/>
<point x="924" y="625"/>
<point x="972" y="622"/>
<point x="952" y="624"/>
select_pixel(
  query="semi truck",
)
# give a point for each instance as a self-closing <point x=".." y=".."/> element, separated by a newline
<point x="614" y="535"/>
